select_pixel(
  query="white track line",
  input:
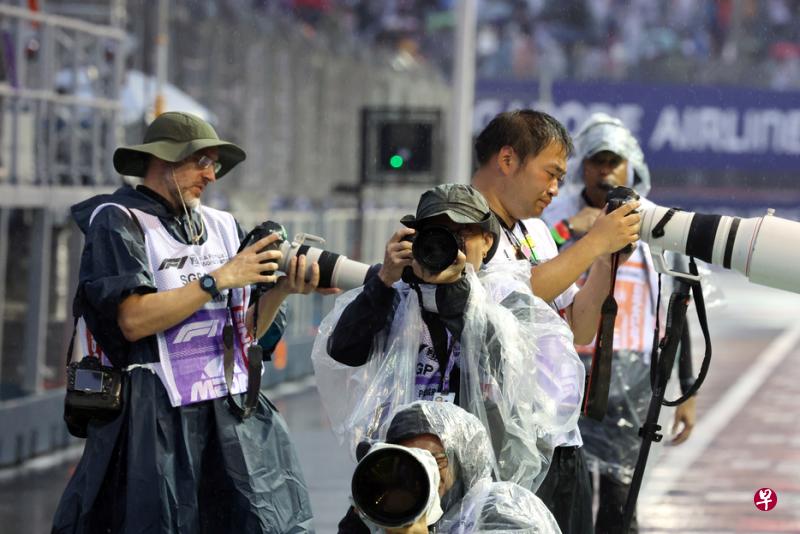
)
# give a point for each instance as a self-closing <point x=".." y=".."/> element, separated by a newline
<point x="680" y="458"/>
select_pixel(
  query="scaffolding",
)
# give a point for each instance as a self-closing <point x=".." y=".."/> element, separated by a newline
<point x="59" y="106"/>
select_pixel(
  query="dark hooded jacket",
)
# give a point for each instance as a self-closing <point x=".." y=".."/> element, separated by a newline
<point x="156" y="468"/>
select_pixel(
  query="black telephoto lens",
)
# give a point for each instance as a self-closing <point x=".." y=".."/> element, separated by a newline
<point x="391" y="487"/>
<point x="436" y="248"/>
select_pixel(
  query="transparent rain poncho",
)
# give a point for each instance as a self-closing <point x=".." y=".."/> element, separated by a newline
<point x="475" y="503"/>
<point x="520" y="374"/>
<point x="498" y="507"/>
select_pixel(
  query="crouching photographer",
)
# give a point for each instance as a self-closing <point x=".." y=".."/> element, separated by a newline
<point x="432" y="473"/>
<point x="439" y="326"/>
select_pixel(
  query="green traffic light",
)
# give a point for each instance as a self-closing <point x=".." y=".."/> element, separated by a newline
<point x="396" y="161"/>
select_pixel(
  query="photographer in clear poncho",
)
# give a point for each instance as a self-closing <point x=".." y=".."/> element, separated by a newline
<point x="468" y="335"/>
<point x="466" y="499"/>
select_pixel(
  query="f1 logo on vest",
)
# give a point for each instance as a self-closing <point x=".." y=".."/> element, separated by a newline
<point x="173" y="262"/>
<point x="197" y="329"/>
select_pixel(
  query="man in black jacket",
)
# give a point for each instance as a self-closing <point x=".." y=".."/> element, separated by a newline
<point x="465" y="335"/>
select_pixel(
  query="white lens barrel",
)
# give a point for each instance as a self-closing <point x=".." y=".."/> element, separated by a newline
<point x="764" y="249"/>
<point x="774" y="258"/>
<point x="335" y="270"/>
<point x="676" y="230"/>
<point x="348" y="274"/>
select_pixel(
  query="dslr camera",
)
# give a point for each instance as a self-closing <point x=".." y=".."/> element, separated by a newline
<point x="617" y="197"/>
<point x="94" y="391"/>
<point x="335" y="270"/>
<point x="435" y="247"/>
<point x="393" y="486"/>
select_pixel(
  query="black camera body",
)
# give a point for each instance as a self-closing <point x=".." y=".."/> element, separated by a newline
<point x="89" y="378"/>
<point x="617" y="197"/>
<point x="94" y="391"/>
<point x="259" y="232"/>
<point x="435" y="247"/>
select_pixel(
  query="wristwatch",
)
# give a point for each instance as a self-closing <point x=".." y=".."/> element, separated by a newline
<point x="209" y="285"/>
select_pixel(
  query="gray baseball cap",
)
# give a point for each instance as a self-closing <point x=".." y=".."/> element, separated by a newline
<point x="462" y="204"/>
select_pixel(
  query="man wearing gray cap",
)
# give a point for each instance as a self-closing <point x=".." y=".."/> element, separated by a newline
<point x="608" y="155"/>
<point x="461" y="333"/>
<point x="163" y="299"/>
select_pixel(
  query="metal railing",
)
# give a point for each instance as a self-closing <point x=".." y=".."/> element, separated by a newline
<point x="59" y="91"/>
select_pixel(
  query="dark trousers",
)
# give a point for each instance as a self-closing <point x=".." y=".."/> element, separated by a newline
<point x="613" y="494"/>
<point x="567" y="491"/>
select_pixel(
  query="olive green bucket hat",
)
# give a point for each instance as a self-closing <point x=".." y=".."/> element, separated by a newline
<point x="173" y="137"/>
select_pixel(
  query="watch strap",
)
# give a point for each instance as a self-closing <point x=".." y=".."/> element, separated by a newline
<point x="211" y="288"/>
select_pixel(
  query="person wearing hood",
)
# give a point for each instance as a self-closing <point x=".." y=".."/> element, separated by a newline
<point x="467" y="335"/>
<point x="164" y="296"/>
<point x="467" y="500"/>
<point x="607" y="155"/>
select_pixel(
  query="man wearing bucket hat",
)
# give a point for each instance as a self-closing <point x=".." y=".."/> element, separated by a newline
<point x="460" y="333"/>
<point x="164" y="297"/>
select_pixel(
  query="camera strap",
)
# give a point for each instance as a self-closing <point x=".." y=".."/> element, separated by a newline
<point x="598" y="383"/>
<point x="689" y="386"/>
<point x="254" y="365"/>
<point x="79" y="300"/>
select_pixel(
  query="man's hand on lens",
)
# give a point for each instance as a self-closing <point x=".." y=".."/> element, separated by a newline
<point x="448" y="276"/>
<point x="613" y="231"/>
<point x="295" y="282"/>
<point x="396" y="257"/>
<point x="246" y="267"/>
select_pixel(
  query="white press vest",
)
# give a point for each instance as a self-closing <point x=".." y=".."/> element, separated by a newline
<point x="191" y="352"/>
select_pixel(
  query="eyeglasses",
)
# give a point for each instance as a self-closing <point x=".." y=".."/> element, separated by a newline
<point x="441" y="459"/>
<point x="204" y="162"/>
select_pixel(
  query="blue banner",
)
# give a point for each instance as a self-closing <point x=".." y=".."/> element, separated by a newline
<point x="678" y="126"/>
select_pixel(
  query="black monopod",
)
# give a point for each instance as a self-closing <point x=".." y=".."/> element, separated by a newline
<point x="662" y="362"/>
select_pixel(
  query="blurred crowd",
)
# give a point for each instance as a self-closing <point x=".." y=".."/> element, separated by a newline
<point x="743" y="42"/>
<point x="675" y="40"/>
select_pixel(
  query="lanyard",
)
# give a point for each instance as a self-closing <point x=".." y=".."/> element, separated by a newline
<point x="523" y="251"/>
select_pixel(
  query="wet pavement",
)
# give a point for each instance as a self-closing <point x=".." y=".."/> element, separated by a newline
<point x="747" y="437"/>
<point x="748" y="432"/>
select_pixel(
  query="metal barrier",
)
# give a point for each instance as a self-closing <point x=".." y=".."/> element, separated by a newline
<point x="58" y="100"/>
